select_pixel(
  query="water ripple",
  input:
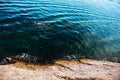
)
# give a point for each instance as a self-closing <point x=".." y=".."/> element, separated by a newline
<point x="89" y="28"/>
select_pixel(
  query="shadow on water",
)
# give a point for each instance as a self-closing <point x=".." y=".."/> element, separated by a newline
<point x="51" y="30"/>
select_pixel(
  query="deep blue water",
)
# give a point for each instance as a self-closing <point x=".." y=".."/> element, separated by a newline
<point x="60" y="28"/>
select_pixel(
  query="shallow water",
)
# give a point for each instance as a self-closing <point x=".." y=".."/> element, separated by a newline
<point x="60" y="28"/>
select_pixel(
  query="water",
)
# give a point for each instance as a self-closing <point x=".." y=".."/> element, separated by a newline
<point x="60" y="28"/>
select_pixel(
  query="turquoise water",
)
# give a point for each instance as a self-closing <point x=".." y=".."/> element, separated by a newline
<point x="52" y="29"/>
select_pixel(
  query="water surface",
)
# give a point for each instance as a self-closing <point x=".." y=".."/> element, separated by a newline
<point x="60" y="28"/>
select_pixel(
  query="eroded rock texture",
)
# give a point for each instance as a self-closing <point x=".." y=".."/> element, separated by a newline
<point x="83" y="69"/>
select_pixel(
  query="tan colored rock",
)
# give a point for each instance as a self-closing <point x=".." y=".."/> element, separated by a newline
<point x="84" y="69"/>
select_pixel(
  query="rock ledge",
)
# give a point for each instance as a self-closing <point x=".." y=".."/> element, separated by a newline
<point x="84" y="69"/>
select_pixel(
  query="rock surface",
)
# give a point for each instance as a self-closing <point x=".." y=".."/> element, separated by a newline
<point x="84" y="69"/>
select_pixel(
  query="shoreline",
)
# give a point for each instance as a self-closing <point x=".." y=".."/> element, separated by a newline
<point x="83" y="69"/>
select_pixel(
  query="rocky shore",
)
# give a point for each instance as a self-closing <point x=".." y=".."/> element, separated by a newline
<point x="83" y="69"/>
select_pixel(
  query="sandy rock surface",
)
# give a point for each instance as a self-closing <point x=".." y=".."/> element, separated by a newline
<point x="84" y="69"/>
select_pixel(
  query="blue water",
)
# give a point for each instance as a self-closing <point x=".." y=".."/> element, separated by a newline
<point x="60" y="28"/>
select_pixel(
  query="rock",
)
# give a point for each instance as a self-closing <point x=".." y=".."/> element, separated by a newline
<point x="6" y="61"/>
<point x="83" y="69"/>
